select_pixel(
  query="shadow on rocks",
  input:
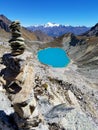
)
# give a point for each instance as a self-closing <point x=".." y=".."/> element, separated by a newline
<point x="8" y="120"/>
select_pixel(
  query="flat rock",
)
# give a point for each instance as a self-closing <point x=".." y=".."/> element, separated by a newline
<point x="17" y="43"/>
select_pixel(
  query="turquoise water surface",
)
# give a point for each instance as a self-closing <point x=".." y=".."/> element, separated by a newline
<point x="55" y="57"/>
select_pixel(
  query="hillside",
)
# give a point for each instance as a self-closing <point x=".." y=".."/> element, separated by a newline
<point x="4" y="25"/>
<point x="93" y="31"/>
<point x="63" y="98"/>
<point x="28" y="35"/>
<point x="42" y="36"/>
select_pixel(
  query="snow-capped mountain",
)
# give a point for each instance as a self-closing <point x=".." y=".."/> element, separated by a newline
<point x="49" y="24"/>
<point x="55" y="30"/>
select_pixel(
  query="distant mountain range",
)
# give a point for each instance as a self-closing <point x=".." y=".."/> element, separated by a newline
<point x="55" y="30"/>
<point x="44" y="32"/>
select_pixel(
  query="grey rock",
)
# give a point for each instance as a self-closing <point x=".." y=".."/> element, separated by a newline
<point x="5" y="111"/>
<point x="58" y="111"/>
<point x="5" y="104"/>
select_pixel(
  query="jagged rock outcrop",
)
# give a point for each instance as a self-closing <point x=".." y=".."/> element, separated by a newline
<point x="92" y="32"/>
<point x="4" y="26"/>
<point x="4" y="23"/>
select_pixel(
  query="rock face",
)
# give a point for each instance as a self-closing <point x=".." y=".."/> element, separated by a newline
<point x="93" y="31"/>
<point x="4" y="22"/>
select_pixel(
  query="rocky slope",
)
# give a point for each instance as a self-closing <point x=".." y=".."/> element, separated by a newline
<point x="28" y="35"/>
<point x="42" y="36"/>
<point x="5" y="31"/>
<point x="65" y="98"/>
<point x="93" y="31"/>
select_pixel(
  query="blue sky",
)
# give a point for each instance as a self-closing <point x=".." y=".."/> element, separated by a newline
<point x="67" y="12"/>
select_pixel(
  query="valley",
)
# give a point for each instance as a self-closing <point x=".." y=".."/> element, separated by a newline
<point x="66" y="98"/>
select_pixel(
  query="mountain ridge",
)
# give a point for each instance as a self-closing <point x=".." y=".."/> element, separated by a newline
<point x="55" y="30"/>
<point x="51" y="24"/>
<point x="4" y="28"/>
<point x="93" y="31"/>
<point x="27" y="34"/>
<point x="59" y="98"/>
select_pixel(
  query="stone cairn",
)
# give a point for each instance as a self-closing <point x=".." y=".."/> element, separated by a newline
<point x="18" y="78"/>
<point x="17" y="42"/>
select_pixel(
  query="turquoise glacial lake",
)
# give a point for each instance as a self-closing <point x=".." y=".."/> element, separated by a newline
<point x="55" y="57"/>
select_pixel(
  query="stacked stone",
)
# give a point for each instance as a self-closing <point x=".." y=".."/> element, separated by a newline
<point x="16" y="42"/>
